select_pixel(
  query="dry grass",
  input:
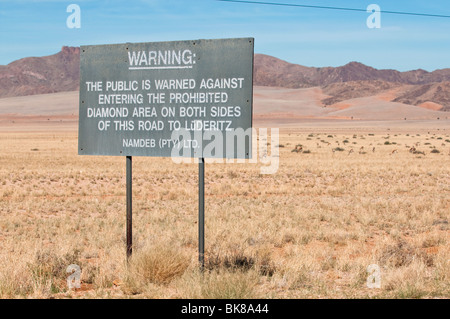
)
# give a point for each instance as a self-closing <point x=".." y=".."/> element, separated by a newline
<point x="155" y="264"/>
<point x="308" y="231"/>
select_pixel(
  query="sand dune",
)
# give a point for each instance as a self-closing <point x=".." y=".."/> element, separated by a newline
<point x="63" y="103"/>
<point x="372" y="108"/>
<point x="269" y="101"/>
<point x="306" y="103"/>
<point x="43" y="112"/>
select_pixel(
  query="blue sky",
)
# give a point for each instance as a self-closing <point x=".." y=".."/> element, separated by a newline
<point x="306" y="36"/>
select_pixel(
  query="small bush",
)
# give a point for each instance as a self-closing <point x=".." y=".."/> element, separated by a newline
<point x="232" y="174"/>
<point x="225" y="284"/>
<point x="241" y="262"/>
<point x="48" y="270"/>
<point x="435" y="151"/>
<point x="157" y="265"/>
<point x="402" y="254"/>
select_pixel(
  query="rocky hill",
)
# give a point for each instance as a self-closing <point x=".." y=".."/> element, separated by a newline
<point x="270" y="71"/>
<point x="38" y="75"/>
<point x="433" y="95"/>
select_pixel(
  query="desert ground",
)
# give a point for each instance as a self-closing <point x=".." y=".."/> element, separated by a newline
<point x="354" y="196"/>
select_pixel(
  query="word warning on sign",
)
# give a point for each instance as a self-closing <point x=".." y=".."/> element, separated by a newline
<point x="168" y="99"/>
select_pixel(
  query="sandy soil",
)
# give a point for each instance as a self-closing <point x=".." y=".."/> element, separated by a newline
<point x="43" y="112"/>
<point x="63" y="103"/>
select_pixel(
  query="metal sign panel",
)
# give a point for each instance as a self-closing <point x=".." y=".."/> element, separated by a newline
<point x="182" y="99"/>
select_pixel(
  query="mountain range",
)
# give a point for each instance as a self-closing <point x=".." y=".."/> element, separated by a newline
<point x="60" y="72"/>
<point x="355" y="80"/>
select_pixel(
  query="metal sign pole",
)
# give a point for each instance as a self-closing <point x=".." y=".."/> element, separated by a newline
<point x="129" y="207"/>
<point x="201" y="212"/>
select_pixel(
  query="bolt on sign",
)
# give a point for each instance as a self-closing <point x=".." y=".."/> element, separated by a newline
<point x="167" y="99"/>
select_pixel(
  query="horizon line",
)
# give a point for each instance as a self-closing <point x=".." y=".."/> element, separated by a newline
<point x="309" y="66"/>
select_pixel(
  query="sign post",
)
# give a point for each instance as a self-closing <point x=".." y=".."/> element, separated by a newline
<point x="129" y="182"/>
<point x="201" y="212"/>
<point x="178" y="99"/>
